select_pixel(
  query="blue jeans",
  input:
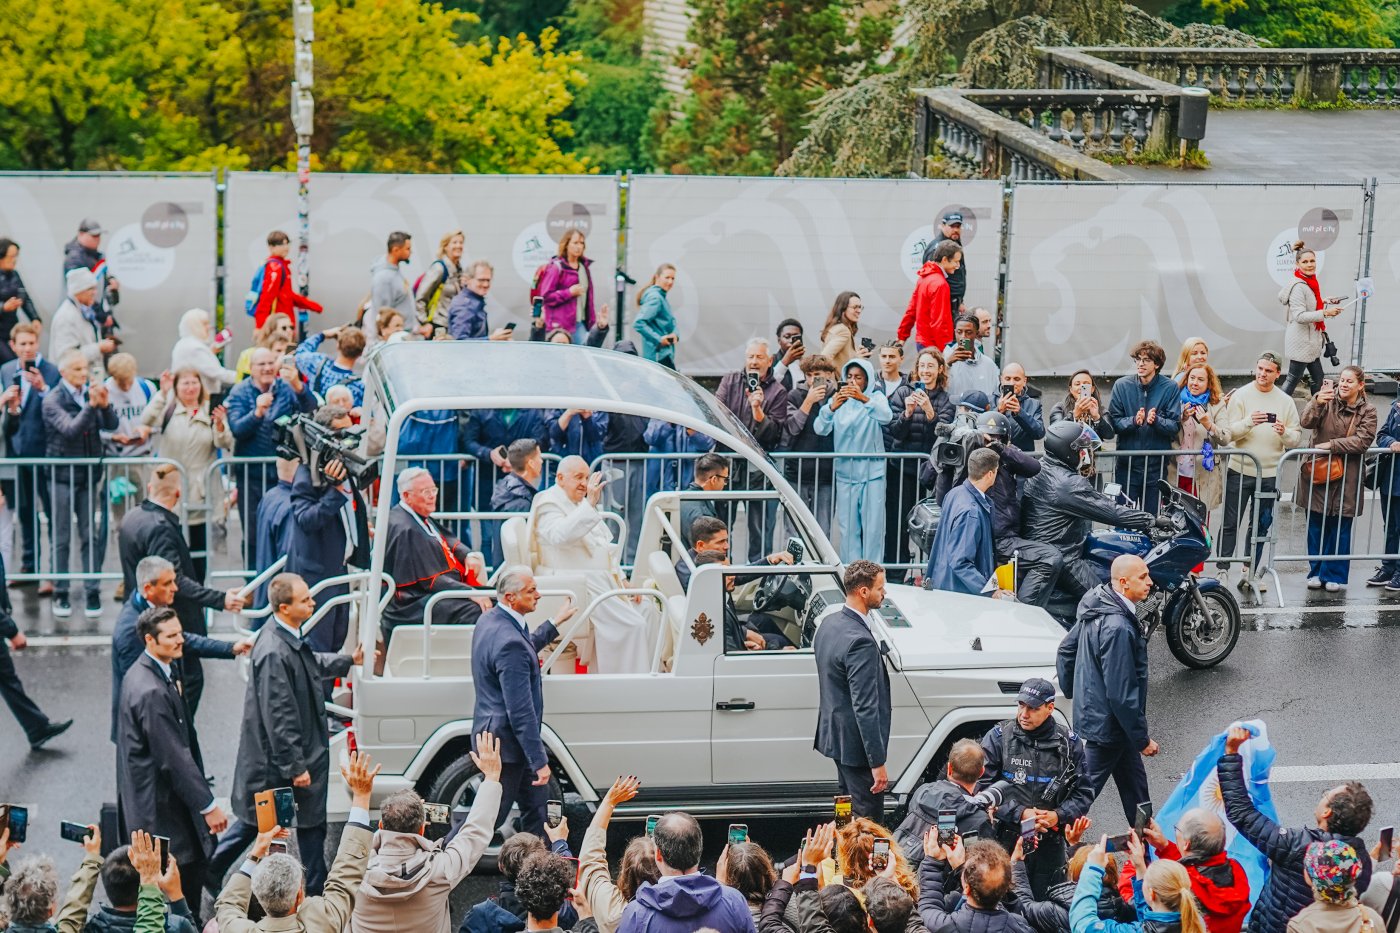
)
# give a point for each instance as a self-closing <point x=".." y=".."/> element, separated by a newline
<point x="1327" y="535"/>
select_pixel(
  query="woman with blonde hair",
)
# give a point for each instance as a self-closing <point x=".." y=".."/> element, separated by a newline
<point x="276" y="335"/>
<point x="192" y="435"/>
<point x="854" y="843"/>
<point x="1161" y="894"/>
<point x="1202" y="428"/>
<point x="1194" y="352"/>
<point x="441" y="283"/>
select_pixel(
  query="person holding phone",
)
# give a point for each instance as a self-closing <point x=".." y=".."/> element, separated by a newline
<point x="1218" y="881"/>
<point x="792" y="350"/>
<point x="467" y="317"/>
<point x="1082" y="404"/>
<point x="198" y="349"/>
<point x="1021" y="409"/>
<point x="684" y="899"/>
<point x="1162" y="895"/>
<point x="1203" y="428"/>
<point x="1343" y="423"/>
<point x="160" y="773"/>
<point x="838" y="334"/>
<point x="969" y="369"/>
<point x="16" y="307"/>
<point x="24" y="383"/>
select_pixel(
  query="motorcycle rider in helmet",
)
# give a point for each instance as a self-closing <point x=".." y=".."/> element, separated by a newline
<point x="1060" y="504"/>
<point x="1038" y="565"/>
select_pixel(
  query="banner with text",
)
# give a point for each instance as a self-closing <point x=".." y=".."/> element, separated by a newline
<point x="1094" y="268"/>
<point x="512" y="221"/>
<point x="750" y="252"/>
<point x="160" y="240"/>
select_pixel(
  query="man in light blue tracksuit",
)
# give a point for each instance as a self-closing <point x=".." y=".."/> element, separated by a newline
<point x="854" y="420"/>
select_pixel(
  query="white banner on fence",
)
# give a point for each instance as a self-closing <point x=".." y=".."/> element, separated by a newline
<point x="1096" y="267"/>
<point x="512" y="221"/>
<point x="161" y="244"/>
<point x="1381" y="349"/>
<point x="750" y="252"/>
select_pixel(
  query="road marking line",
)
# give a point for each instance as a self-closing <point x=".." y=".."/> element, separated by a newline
<point x="1288" y="774"/>
<point x="1314" y="610"/>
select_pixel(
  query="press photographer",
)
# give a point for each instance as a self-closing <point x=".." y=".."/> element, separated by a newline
<point x="330" y="528"/>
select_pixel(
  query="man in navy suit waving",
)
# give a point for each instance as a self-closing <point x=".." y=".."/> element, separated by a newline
<point x="509" y="694"/>
<point x="853" y="726"/>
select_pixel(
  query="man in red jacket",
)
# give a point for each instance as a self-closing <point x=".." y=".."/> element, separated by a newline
<point x="930" y="313"/>
<point x="1217" y="880"/>
<point x="276" y="293"/>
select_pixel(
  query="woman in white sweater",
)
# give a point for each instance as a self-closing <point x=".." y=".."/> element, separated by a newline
<point x="1303" y="340"/>
<point x="193" y="351"/>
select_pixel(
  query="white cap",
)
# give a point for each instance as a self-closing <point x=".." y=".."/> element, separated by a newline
<point x="79" y="281"/>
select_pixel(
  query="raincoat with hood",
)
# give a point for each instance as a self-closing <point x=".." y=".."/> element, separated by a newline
<point x="856" y="427"/>
<point x="409" y="879"/>
<point x="1219" y="883"/>
<point x="685" y="903"/>
<point x="929" y="316"/>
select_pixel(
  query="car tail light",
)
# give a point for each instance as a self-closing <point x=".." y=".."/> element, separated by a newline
<point x="350" y="744"/>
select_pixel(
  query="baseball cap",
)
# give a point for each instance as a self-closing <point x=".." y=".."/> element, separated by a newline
<point x="91" y="226"/>
<point x="976" y="400"/>
<point x="953" y="217"/>
<point x="1036" y="692"/>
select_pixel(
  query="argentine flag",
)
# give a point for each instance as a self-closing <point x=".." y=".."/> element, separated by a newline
<point x="1200" y="787"/>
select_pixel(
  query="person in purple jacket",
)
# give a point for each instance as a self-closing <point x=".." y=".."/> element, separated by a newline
<point x="566" y="285"/>
<point x="684" y="900"/>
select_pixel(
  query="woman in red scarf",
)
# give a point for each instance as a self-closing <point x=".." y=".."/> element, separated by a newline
<point x="1303" y="340"/>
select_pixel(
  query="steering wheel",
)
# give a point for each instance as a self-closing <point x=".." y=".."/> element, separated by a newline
<point x="782" y="591"/>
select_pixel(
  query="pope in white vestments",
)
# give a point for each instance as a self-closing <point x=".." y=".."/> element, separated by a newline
<point x="569" y="535"/>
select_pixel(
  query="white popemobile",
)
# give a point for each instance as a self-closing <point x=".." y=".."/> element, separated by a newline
<point x="717" y="734"/>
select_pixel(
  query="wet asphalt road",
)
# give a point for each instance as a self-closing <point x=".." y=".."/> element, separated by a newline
<point x="1320" y="673"/>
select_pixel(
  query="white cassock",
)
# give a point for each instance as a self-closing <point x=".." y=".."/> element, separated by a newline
<point x="569" y="537"/>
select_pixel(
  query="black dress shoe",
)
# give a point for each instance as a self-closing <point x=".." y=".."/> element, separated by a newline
<point x="52" y="731"/>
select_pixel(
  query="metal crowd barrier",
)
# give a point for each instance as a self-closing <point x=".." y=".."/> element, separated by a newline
<point x="1329" y="535"/>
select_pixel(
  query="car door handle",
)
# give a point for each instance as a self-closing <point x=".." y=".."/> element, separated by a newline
<point x="734" y="705"/>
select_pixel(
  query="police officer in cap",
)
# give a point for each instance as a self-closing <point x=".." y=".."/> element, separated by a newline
<point x="1043" y="762"/>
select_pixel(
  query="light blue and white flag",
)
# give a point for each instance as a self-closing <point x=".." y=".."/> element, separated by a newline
<point x="1200" y="787"/>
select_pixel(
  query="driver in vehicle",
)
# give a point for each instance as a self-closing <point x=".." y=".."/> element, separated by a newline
<point x="568" y="534"/>
<point x="711" y="535"/>
<point x="759" y="632"/>
<point x="1060" y="504"/>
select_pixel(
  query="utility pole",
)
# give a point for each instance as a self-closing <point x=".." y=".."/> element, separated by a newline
<point x="303" y="114"/>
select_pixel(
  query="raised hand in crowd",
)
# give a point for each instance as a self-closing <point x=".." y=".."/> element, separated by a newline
<point x="359" y="779"/>
<point x="167" y="382"/>
<point x="144" y="857"/>
<point x="1075" y="831"/>
<point x="487" y="756"/>
<point x="98" y="396"/>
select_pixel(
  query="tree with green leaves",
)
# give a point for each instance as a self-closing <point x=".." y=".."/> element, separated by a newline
<point x="755" y="69"/>
<point x="1300" y="23"/>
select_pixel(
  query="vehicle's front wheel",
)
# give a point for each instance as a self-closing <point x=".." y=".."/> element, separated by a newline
<point x="456" y="784"/>
<point x="1201" y="640"/>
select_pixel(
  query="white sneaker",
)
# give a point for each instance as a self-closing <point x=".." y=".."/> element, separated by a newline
<point x="1261" y="581"/>
<point x="1223" y="575"/>
<point x="1314" y="583"/>
<point x="1334" y="587"/>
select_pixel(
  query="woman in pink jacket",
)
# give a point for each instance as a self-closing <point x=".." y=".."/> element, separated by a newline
<point x="567" y="289"/>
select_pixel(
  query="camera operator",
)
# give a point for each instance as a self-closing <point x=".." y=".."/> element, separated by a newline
<point x="330" y="532"/>
<point x="1043" y="763"/>
<point x="1038" y="565"/>
<point x="1060" y="503"/>
<point x="955" y="791"/>
<point x="955" y="440"/>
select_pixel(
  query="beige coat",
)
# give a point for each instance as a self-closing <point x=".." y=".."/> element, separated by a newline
<point x="1210" y="484"/>
<point x="190" y="441"/>
<point x="1321" y="917"/>
<point x="410" y="879"/>
<point x="1351" y="431"/>
<point x="326" y="913"/>
<point x="840" y="345"/>
<point x="604" y="897"/>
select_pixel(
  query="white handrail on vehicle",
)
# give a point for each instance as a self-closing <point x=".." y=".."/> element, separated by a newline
<point x="459" y="594"/>
<point x="262" y="578"/>
<point x="347" y="578"/>
<point x="567" y="637"/>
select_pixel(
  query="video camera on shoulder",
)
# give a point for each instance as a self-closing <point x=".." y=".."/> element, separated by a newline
<point x="955" y="441"/>
<point x="299" y="437"/>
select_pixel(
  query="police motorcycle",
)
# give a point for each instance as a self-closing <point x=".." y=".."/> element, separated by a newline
<point x="1201" y="617"/>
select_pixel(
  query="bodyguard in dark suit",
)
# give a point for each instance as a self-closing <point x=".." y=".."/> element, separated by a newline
<point x="284" y="740"/>
<point x="37" y="727"/>
<point x="330" y="530"/>
<point x="509" y="694"/>
<point x="160" y="773"/>
<point x="157" y="586"/>
<point x="23" y="412"/>
<point x="154" y="529"/>
<point x="853" y="725"/>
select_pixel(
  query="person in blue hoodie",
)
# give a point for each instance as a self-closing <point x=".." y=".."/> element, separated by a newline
<point x="684" y="900"/>
<point x="856" y="420"/>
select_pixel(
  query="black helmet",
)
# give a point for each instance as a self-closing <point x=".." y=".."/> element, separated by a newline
<point x="1067" y="442"/>
<point x="922" y="524"/>
<point x="994" y="423"/>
